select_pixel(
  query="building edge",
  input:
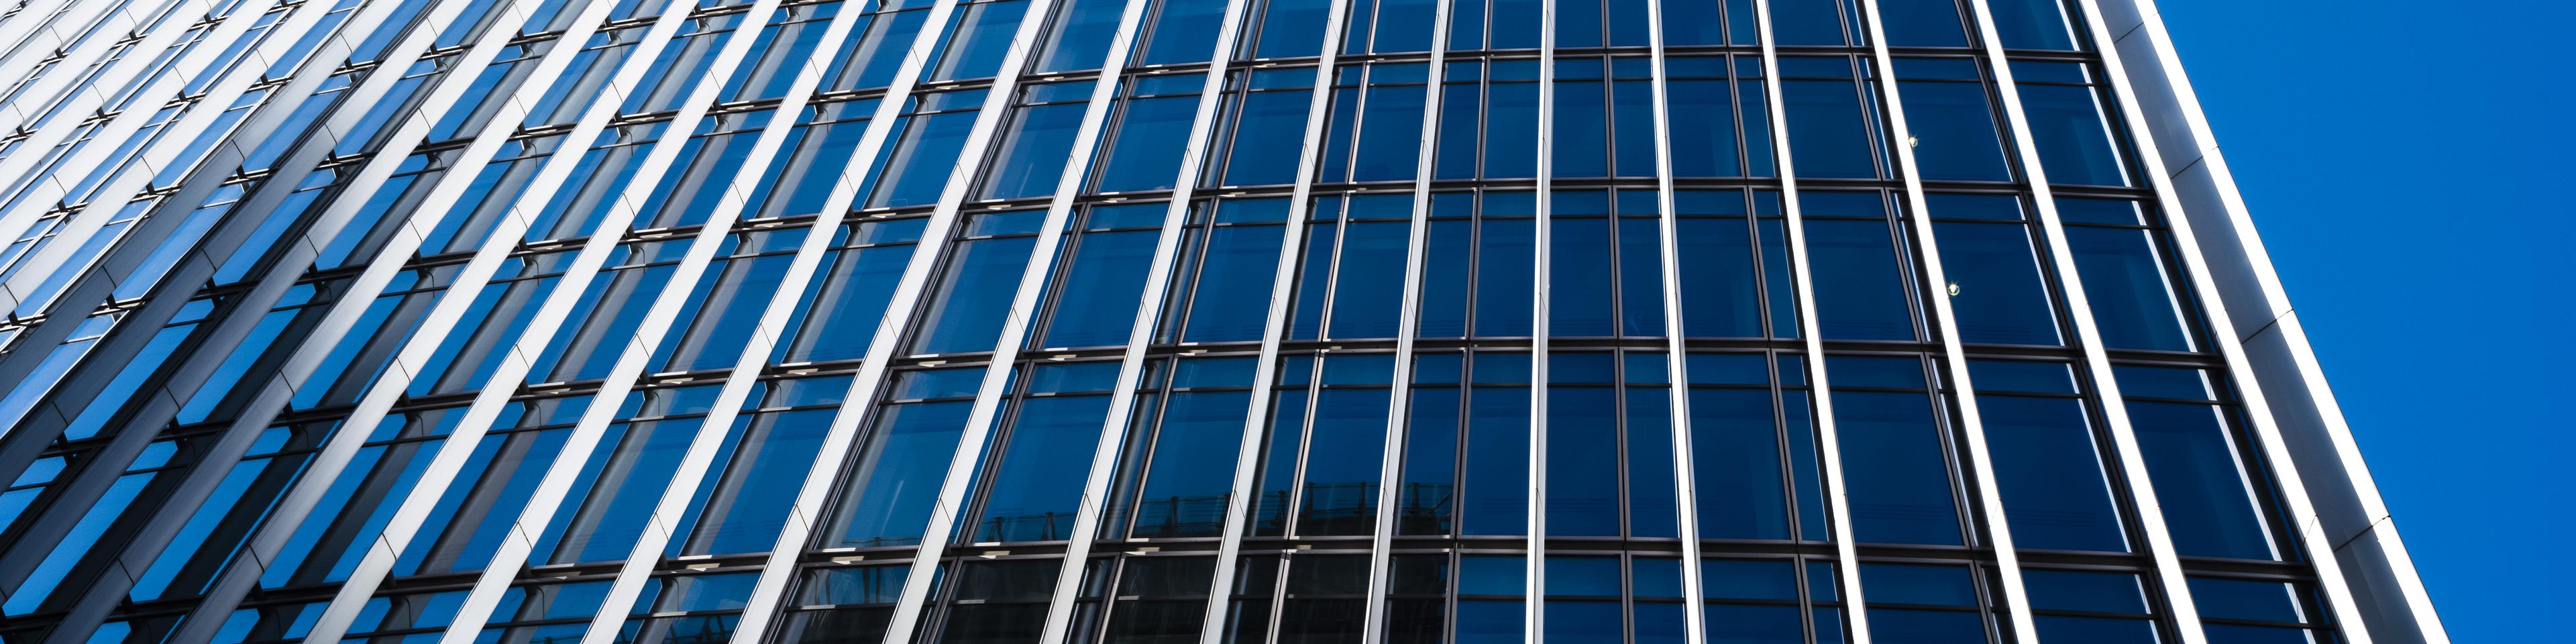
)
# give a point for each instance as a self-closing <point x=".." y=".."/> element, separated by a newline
<point x="2380" y="574"/>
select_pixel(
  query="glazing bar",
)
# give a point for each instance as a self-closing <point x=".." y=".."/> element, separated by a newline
<point x="1838" y="503"/>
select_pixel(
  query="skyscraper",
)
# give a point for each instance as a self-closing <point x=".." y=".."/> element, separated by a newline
<point x="637" y="322"/>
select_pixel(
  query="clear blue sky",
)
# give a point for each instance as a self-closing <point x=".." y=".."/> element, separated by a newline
<point x="2407" y="165"/>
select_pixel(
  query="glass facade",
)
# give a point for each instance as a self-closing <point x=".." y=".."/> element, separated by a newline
<point x="1138" y="321"/>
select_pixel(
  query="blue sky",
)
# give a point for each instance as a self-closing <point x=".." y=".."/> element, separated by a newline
<point x="2406" y="166"/>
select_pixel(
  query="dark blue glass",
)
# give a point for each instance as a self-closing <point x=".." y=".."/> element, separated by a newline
<point x="1739" y="624"/>
<point x="1082" y="36"/>
<point x="2032" y="24"/>
<point x="1490" y="622"/>
<point x="1511" y="126"/>
<point x="1145" y="153"/>
<point x="1193" y="465"/>
<point x="911" y="443"/>
<point x="1703" y="145"/>
<point x="1036" y="487"/>
<point x="2049" y="472"/>
<point x="966" y="312"/>
<point x="1918" y="585"/>
<point x="2093" y="592"/>
<point x="1925" y="626"/>
<point x="1720" y="292"/>
<point x="1641" y="277"/>
<point x="981" y="39"/>
<point x="1954" y="132"/>
<point x="2125" y="282"/>
<point x="1735" y="448"/>
<point x="1340" y="486"/>
<point x="1097" y="305"/>
<point x="751" y="502"/>
<point x="624" y="492"/>
<point x="1632" y="105"/>
<point x="1995" y="287"/>
<point x="1830" y="133"/>
<point x="1651" y="509"/>
<point x="1277" y="476"/>
<point x="1270" y="122"/>
<point x="1859" y="283"/>
<point x="1582" y="462"/>
<point x="1391" y="135"/>
<point x="1807" y="22"/>
<point x="918" y="169"/>
<point x="1581" y="284"/>
<point x="2208" y="504"/>
<point x="1580" y="144"/>
<point x="1895" y="468"/>
<point x="1921" y="23"/>
<point x="875" y="56"/>
<point x="1180" y="31"/>
<point x="1445" y="274"/>
<point x="1314" y="274"/>
<point x="1504" y="272"/>
<point x="1290" y="28"/>
<point x="847" y="308"/>
<point x="2060" y="628"/>
<point x="1693" y="22"/>
<point x="1032" y="161"/>
<point x="1496" y="498"/>
<point x="1423" y="504"/>
<point x="1515" y="24"/>
<point x="2268" y="601"/>
<point x="1231" y="299"/>
<point x="1572" y="621"/>
<point x="1367" y="292"/>
<point x="1460" y="106"/>
<point x="2074" y="142"/>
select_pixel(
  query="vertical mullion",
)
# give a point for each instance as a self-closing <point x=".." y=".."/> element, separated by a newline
<point x="1954" y="359"/>
<point x="1122" y="396"/>
<point x="1838" y="504"/>
<point x="990" y="396"/>
<point x="1534" y="562"/>
<point x="1265" y="372"/>
<point x="1676" y="352"/>
<point x="714" y="429"/>
<point x="2321" y="547"/>
<point x="1408" y="316"/>
<point x="856" y="406"/>
<point x="2160" y="545"/>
